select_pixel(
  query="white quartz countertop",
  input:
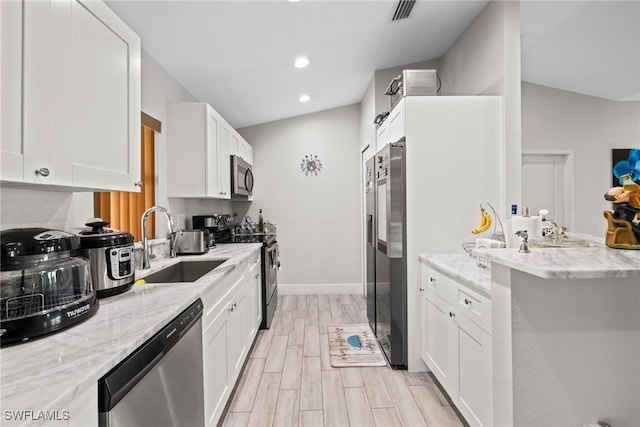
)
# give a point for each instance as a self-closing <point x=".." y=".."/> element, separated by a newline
<point x="48" y="373"/>
<point x="570" y="263"/>
<point x="462" y="268"/>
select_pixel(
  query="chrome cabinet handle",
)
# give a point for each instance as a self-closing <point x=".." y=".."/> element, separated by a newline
<point x="138" y="184"/>
<point x="431" y="279"/>
<point x="452" y="314"/>
<point x="42" y="172"/>
<point x="421" y="289"/>
<point x="467" y="302"/>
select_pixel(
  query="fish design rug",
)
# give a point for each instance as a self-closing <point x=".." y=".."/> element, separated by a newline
<point x="353" y="345"/>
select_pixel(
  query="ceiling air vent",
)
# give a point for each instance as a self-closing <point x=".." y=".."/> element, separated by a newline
<point x="403" y="10"/>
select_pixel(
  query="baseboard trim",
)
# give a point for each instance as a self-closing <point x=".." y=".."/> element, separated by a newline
<point x="320" y="288"/>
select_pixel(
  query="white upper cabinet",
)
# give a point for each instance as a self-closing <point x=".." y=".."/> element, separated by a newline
<point x="74" y="120"/>
<point x="105" y="98"/>
<point x="397" y="123"/>
<point x="382" y="135"/>
<point x="11" y="153"/>
<point x="198" y="152"/>
<point x="200" y="145"/>
<point x="244" y="149"/>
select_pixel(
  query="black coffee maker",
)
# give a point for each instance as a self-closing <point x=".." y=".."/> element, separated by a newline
<point x="218" y="225"/>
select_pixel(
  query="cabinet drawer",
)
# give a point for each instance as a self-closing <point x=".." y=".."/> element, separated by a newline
<point x="474" y="306"/>
<point x="217" y="296"/>
<point x="439" y="284"/>
<point x="253" y="263"/>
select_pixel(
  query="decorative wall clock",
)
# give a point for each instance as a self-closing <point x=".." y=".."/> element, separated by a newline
<point x="311" y="165"/>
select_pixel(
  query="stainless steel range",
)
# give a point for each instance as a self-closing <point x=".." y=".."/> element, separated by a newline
<point x="221" y="234"/>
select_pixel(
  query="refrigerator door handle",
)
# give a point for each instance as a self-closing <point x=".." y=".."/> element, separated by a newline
<point x="370" y="230"/>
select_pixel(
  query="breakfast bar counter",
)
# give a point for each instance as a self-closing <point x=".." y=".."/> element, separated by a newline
<point x="566" y="336"/>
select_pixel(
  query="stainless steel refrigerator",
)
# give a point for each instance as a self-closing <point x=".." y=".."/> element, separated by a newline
<point x="390" y="288"/>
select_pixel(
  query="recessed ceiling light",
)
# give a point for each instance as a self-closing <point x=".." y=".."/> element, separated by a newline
<point x="304" y="98"/>
<point x="294" y="1"/>
<point x="301" y="62"/>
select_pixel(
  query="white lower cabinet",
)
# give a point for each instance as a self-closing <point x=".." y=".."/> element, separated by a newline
<point x="237" y="342"/>
<point x="226" y="325"/>
<point x="254" y="292"/>
<point x="439" y="338"/>
<point x="455" y="346"/>
<point x="216" y="380"/>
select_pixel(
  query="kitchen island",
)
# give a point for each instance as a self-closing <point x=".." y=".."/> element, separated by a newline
<point x="566" y="336"/>
<point x="58" y="373"/>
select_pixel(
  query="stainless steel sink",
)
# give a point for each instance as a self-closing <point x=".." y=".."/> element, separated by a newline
<point x="565" y="242"/>
<point x="184" y="271"/>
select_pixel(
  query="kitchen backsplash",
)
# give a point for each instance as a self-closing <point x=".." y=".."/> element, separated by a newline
<point x="22" y="207"/>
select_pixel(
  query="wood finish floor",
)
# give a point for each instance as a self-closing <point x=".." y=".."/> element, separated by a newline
<point x="289" y="381"/>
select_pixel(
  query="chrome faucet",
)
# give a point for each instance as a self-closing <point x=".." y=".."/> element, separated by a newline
<point x="173" y="234"/>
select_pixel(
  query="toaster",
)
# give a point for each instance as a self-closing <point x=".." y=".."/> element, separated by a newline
<point x="192" y="242"/>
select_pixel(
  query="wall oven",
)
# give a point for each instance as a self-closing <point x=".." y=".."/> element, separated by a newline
<point x="241" y="178"/>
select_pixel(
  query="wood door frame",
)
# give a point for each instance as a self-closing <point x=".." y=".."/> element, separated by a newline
<point x="568" y="157"/>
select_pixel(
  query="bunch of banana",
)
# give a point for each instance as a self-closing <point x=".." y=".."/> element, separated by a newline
<point x="485" y="222"/>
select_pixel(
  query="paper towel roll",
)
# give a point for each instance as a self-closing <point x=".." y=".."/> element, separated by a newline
<point x="532" y="224"/>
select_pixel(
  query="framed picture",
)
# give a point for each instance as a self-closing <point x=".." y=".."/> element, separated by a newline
<point x="624" y="161"/>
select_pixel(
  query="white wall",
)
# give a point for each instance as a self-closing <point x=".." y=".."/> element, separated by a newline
<point x="158" y="89"/>
<point x="485" y="60"/>
<point x="22" y="207"/>
<point x="317" y="216"/>
<point x="592" y="127"/>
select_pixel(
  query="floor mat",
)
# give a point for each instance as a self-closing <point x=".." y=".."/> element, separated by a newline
<point x="353" y="345"/>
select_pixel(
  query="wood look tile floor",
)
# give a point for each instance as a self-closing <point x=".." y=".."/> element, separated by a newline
<point x="289" y="380"/>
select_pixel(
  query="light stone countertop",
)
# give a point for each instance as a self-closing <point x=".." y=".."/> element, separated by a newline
<point x="462" y="268"/>
<point x="569" y="263"/>
<point x="48" y="373"/>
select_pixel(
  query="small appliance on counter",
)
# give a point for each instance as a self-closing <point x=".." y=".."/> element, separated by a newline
<point x="44" y="286"/>
<point x="193" y="242"/>
<point x="212" y="223"/>
<point x="110" y="255"/>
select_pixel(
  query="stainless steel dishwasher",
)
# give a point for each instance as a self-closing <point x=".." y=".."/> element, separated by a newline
<point x="159" y="384"/>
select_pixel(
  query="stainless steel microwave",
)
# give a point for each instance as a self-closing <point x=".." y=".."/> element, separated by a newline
<point x="241" y="178"/>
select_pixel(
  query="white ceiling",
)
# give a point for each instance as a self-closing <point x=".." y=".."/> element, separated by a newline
<point x="588" y="47"/>
<point x="238" y="55"/>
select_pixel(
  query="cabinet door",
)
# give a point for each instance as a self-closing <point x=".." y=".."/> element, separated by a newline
<point x="38" y="45"/>
<point x="237" y="344"/>
<point x="397" y="122"/>
<point x="382" y="135"/>
<point x="231" y="142"/>
<point x="249" y="153"/>
<point x="217" y="384"/>
<point x="11" y="152"/>
<point x="254" y="292"/>
<point x="441" y="346"/>
<point x="234" y="141"/>
<point x="475" y="390"/>
<point x="104" y="103"/>
<point x="212" y="152"/>
<point x="224" y="166"/>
